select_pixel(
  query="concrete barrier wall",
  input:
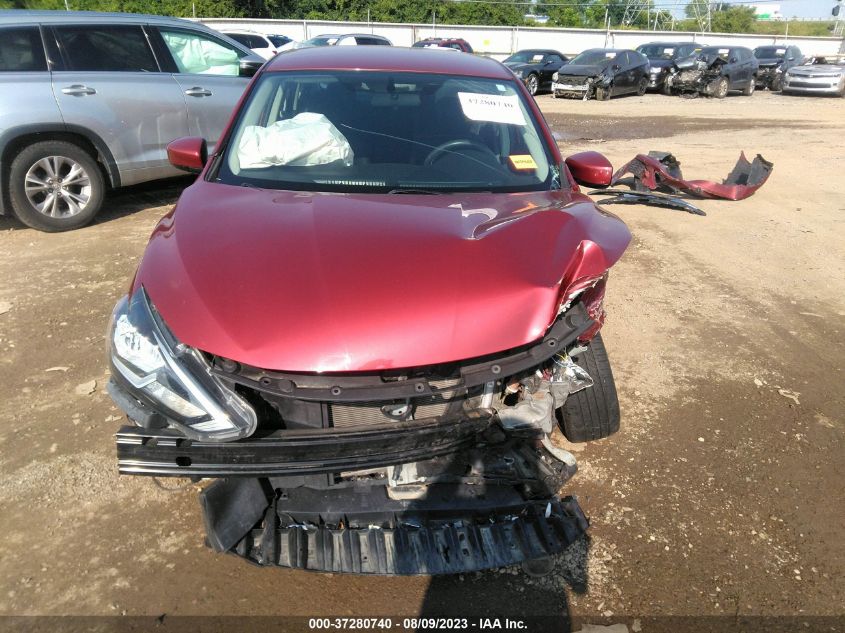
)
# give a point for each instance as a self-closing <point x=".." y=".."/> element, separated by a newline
<point x="502" y="41"/>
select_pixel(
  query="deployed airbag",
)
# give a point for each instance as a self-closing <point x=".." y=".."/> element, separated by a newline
<point x="305" y="140"/>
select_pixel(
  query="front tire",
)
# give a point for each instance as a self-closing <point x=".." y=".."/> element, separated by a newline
<point x="532" y="82"/>
<point x="720" y="88"/>
<point x="750" y="87"/>
<point x="642" y="86"/>
<point x="602" y="94"/>
<point x="55" y="186"/>
<point x="592" y="413"/>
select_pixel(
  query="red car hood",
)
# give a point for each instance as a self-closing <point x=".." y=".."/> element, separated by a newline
<point x="320" y="282"/>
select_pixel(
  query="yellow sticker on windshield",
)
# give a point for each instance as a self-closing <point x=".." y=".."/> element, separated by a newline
<point x="522" y="162"/>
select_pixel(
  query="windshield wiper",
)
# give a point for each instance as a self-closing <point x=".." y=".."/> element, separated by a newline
<point x="423" y="192"/>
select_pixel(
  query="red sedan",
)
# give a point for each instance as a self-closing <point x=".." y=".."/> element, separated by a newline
<point x="368" y="314"/>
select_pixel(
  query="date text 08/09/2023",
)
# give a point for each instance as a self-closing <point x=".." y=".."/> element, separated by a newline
<point x="415" y="624"/>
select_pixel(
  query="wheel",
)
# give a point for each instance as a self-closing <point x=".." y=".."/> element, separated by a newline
<point x="55" y="186"/>
<point x="720" y="87"/>
<point x="642" y="87"/>
<point x="667" y="89"/>
<point x="602" y="94"/>
<point x="532" y="83"/>
<point x="750" y="87"/>
<point x="592" y="413"/>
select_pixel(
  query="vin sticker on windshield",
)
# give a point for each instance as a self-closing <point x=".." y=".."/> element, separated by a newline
<point x="492" y="108"/>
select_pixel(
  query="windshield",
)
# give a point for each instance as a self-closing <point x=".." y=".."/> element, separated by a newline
<point x="657" y="51"/>
<point x="384" y="131"/>
<point x="323" y="40"/>
<point x="278" y="40"/>
<point x="769" y="52"/>
<point x="525" y="57"/>
<point x="833" y="60"/>
<point x="594" y="58"/>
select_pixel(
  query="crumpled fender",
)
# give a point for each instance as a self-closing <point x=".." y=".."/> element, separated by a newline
<point x="662" y="170"/>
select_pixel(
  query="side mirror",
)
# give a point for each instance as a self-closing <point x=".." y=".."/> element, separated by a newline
<point x="616" y="67"/>
<point x="188" y="153"/>
<point x="249" y="65"/>
<point x="733" y="60"/>
<point x="590" y="168"/>
<point x="790" y="59"/>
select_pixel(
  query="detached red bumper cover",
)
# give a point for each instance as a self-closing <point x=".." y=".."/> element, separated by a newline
<point x="661" y="170"/>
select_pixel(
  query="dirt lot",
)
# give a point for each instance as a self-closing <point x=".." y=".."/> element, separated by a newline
<point x="723" y="494"/>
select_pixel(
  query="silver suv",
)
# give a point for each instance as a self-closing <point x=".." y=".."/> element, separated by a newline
<point x="91" y="100"/>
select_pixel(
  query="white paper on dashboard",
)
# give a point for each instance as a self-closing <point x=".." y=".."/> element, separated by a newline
<point x="492" y="108"/>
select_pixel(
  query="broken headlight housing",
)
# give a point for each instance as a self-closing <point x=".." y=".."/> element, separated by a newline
<point x="172" y="378"/>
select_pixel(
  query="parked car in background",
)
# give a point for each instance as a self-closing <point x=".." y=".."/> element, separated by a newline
<point x="91" y="100"/>
<point x="773" y="62"/>
<point x="347" y="445"/>
<point x="347" y="39"/>
<point x="602" y="73"/>
<point x="662" y="57"/>
<point x="257" y="42"/>
<point x="535" y="67"/>
<point x="822" y="76"/>
<point x="455" y="43"/>
<point x="281" y="42"/>
<point x="714" y="72"/>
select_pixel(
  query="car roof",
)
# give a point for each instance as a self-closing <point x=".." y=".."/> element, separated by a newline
<point x="538" y="50"/>
<point x="381" y="37"/>
<point x="667" y="43"/>
<point x="420" y="60"/>
<point x="19" y="16"/>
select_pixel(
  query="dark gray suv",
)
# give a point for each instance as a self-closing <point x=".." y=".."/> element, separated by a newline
<point x="91" y="100"/>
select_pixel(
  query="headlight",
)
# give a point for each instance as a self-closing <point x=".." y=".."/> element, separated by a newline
<point x="555" y="76"/>
<point x="172" y="378"/>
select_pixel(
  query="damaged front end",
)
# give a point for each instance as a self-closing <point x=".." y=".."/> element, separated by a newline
<point x="580" y="86"/>
<point x="770" y="75"/>
<point x="698" y="76"/>
<point x="438" y="469"/>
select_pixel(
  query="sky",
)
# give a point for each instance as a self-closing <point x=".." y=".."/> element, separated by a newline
<point x="798" y="8"/>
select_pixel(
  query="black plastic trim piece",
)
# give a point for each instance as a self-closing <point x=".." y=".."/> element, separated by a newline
<point x="371" y="387"/>
<point x="536" y="529"/>
<point x="296" y="452"/>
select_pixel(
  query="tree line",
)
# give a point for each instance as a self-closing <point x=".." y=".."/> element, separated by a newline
<point x="721" y="17"/>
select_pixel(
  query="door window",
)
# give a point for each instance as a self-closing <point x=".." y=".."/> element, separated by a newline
<point x="21" y="50"/>
<point x="196" y="53"/>
<point x="370" y="41"/>
<point x="105" y="48"/>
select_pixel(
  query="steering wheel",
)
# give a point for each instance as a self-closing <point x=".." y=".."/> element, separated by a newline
<point x="451" y="146"/>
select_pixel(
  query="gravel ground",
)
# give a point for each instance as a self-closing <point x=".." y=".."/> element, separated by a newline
<point x="722" y="495"/>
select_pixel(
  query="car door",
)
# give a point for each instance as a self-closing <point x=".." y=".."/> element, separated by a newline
<point x="26" y="95"/>
<point x="550" y="65"/>
<point x="742" y="68"/>
<point x="625" y="75"/>
<point x="107" y="80"/>
<point x="207" y="69"/>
